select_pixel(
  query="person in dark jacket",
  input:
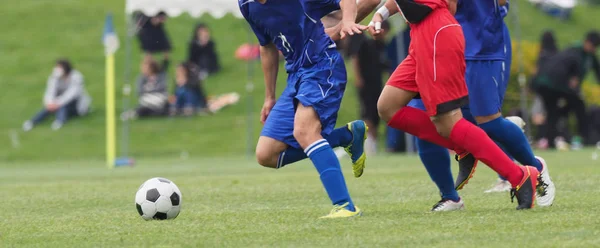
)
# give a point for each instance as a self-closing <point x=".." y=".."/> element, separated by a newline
<point x="548" y="48"/>
<point x="152" y="35"/>
<point x="560" y="77"/>
<point x="203" y="53"/>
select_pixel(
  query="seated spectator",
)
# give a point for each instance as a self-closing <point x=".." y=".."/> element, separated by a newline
<point x="189" y="97"/>
<point x="152" y="35"/>
<point x="152" y="91"/>
<point x="203" y="53"/>
<point x="65" y="97"/>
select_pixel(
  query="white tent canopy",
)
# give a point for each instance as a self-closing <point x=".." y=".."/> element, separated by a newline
<point x="195" y="8"/>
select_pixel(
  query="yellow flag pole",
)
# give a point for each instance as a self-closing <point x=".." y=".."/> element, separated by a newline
<point x="110" y="111"/>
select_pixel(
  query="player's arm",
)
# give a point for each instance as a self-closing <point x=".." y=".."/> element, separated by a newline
<point x="349" y="14"/>
<point x="269" y="59"/>
<point x="452" y="5"/>
<point x="364" y="8"/>
<point x="502" y="2"/>
<point x="382" y="14"/>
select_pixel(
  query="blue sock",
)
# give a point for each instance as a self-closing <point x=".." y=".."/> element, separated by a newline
<point x="437" y="163"/>
<point x="338" y="137"/>
<point x="328" y="166"/>
<point x="513" y="139"/>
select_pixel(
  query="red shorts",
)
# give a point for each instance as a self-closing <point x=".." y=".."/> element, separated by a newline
<point x="435" y="65"/>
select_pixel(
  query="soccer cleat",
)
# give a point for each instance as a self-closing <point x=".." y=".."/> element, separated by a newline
<point x="500" y="186"/>
<point x="356" y="149"/>
<point x="525" y="191"/>
<point x="466" y="168"/>
<point x="340" y="211"/>
<point x="27" y="126"/>
<point x="56" y="125"/>
<point x="448" y="205"/>
<point x="545" y="188"/>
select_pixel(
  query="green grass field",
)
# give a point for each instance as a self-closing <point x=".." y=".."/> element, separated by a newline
<point x="232" y="202"/>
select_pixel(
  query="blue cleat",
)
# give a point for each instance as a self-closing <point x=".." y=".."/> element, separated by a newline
<point x="356" y="149"/>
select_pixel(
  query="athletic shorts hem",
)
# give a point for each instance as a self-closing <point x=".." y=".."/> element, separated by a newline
<point x="446" y="107"/>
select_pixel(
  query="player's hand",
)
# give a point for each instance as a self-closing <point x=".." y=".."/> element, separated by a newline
<point x="266" y="109"/>
<point x="375" y="26"/>
<point x="52" y="107"/>
<point x="351" y="28"/>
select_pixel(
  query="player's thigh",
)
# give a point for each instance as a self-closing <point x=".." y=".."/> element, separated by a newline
<point x="486" y="87"/>
<point x="307" y="125"/>
<point x="400" y="88"/>
<point x="440" y="72"/>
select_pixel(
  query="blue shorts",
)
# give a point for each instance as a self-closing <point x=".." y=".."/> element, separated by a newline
<point x="417" y="103"/>
<point x="320" y="86"/>
<point x="486" y="81"/>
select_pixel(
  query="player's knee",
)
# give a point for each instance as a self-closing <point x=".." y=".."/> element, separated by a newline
<point x="306" y="135"/>
<point x="385" y="111"/>
<point x="266" y="158"/>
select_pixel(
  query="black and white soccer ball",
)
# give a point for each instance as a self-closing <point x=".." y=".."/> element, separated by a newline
<point x="158" y="199"/>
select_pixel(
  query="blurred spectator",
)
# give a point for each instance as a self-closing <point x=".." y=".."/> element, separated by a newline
<point x="152" y="90"/>
<point x="202" y="52"/>
<point x="189" y="96"/>
<point x="152" y="35"/>
<point x="561" y="77"/>
<point x="65" y="97"/>
<point x="548" y="48"/>
<point x="369" y="63"/>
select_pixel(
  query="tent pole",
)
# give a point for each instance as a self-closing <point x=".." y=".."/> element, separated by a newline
<point x="129" y="33"/>
<point x="250" y="96"/>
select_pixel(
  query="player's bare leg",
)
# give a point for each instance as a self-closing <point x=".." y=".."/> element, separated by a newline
<point x="307" y="131"/>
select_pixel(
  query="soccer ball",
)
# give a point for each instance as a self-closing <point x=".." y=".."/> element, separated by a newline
<point x="158" y="199"/>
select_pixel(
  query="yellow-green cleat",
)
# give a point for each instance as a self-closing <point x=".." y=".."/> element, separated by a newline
<point x="356" y="149"/>
<point x="340" y="211"/>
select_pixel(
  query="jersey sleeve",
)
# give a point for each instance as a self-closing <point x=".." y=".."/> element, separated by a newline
<point x="317" y="9"/>
<point x="263" y="38"/>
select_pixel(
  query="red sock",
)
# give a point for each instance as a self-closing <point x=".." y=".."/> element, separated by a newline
<point x="478" y="143"/>
<point x="416" y="122"/>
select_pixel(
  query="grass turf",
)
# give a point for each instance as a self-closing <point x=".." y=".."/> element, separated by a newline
<point x="231" y="202"/>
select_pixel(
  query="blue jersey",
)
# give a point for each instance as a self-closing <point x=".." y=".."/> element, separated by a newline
<point x="294" y="26"/>
<point x="482" y="25"/>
